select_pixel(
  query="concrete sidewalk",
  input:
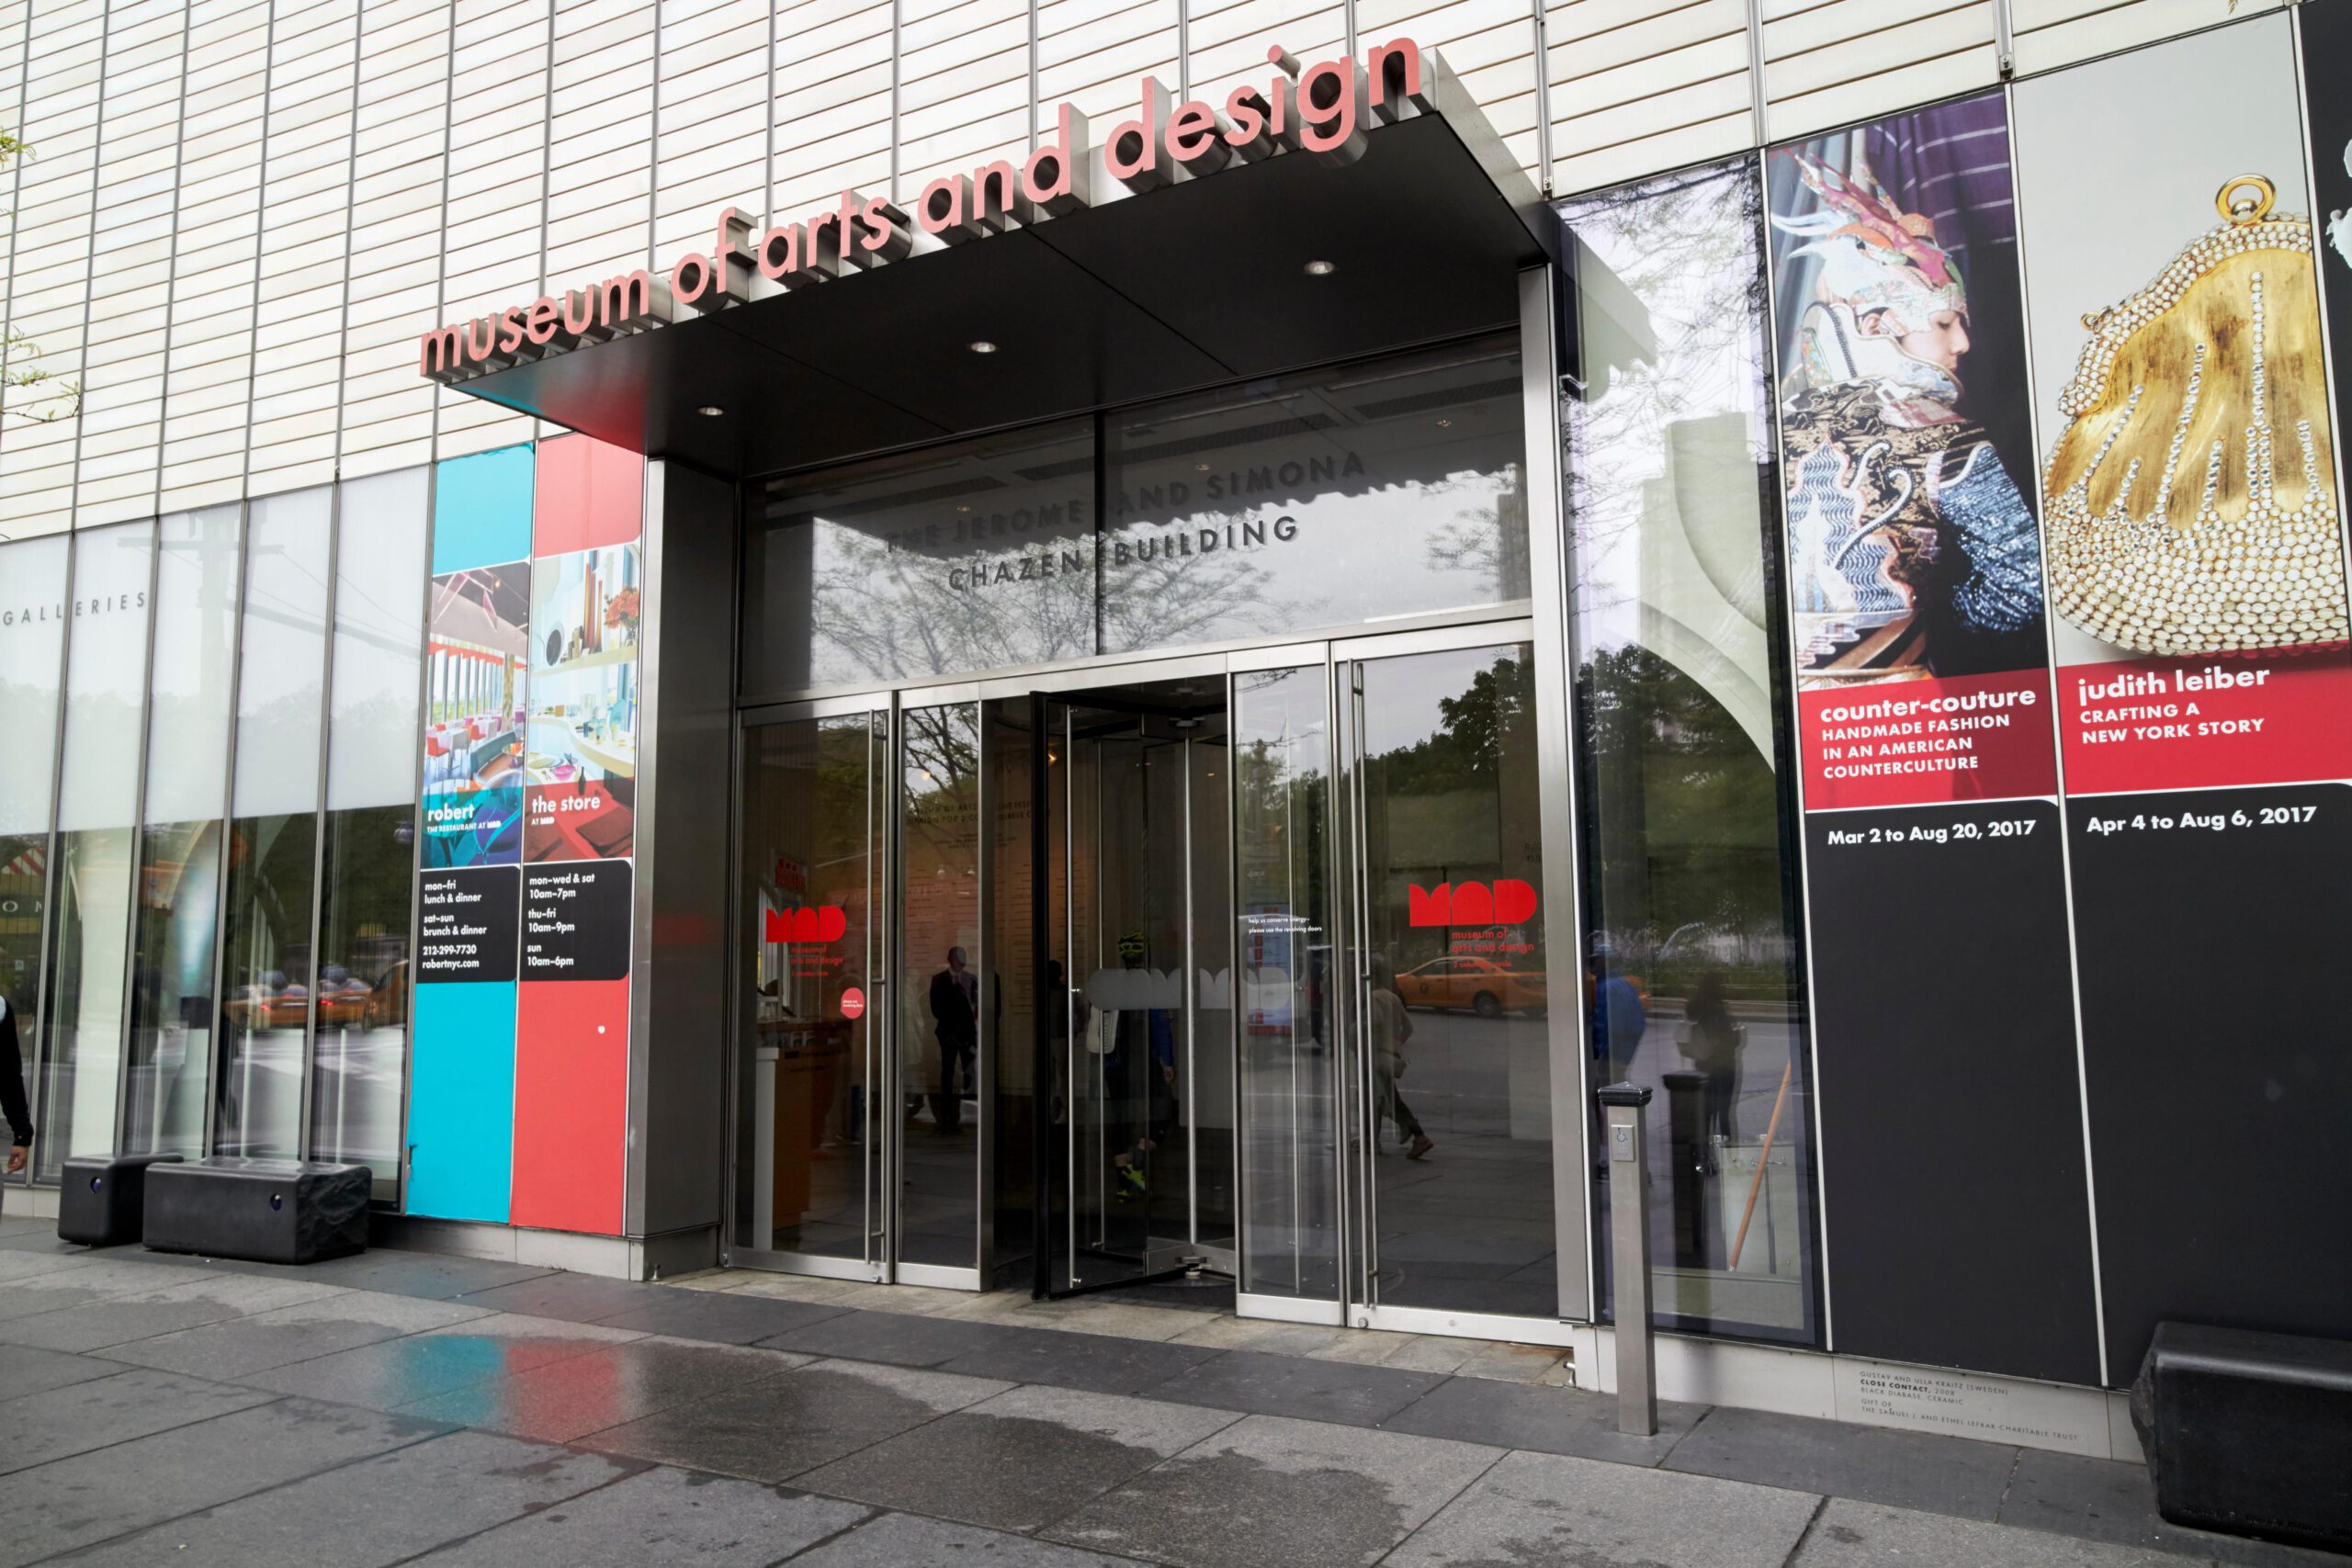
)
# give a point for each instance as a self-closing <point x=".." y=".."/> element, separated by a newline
<point x="401" y="1407"/>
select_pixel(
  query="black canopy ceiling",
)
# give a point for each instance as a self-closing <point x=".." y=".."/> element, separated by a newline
<point x="1199" y="283"/>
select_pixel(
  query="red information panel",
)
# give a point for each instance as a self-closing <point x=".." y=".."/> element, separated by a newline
<point x="2272" y="716"/>
<point x="570" y="1104"/>
<point x="1927" y="741"/>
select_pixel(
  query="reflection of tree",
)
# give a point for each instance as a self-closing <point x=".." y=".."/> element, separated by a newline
<point x="1686" y="247"/>
<point x="1467" y="748"/>
<point x="1166" y="602"/>
<point x="1490" y="539"/>
<point x="1682" y="811"/>
<point x="896" y="613"/>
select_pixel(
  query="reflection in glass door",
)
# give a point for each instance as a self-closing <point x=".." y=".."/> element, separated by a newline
<point x="1141" y="1144"/>
<point x="810" y="1133"/>
<point x="1448" y="1078"/>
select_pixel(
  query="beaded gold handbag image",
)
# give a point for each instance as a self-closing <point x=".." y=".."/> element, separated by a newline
<point x="2190" y="499"/>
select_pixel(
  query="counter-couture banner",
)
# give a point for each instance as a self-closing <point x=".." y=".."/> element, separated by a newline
<point x="1913" y="548"/>
<point x="1938" y="911"/>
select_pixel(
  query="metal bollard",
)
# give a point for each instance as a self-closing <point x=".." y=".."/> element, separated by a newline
<point x="1624" y="1109"/>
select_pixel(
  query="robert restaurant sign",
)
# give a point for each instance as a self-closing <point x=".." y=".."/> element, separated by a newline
<point x="1322" y="111"/>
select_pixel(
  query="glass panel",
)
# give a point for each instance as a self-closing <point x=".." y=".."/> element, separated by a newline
<point x="810" y="1133"/>
<point x="1282" y="761"/>
<point x="1459" y="1114"/>
<point x="1692" y="982"/>
<point x="268" y="973"/>
<point x="973" y="555"/>
<point x="97" y="805"/>
<point x="1385" y="489"/>
<point x="364" y="969"/>
<point x="188" y="767"/>
<point x="1013" y="894"/>
<point x="32" y="640"/>
<point x="944" y="1002"/>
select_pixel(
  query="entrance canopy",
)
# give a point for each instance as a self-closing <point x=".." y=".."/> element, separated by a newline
<point x="1203" y="281"/>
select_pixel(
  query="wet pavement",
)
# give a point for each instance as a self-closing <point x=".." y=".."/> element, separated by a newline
<point x="400" y="1407"/>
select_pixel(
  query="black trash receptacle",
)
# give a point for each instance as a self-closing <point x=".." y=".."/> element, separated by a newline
<point x="101" y="1200"/>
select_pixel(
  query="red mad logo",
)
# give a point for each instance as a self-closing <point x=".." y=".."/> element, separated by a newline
<point x="1505" y="903"/>
<point x="813" y="922"/>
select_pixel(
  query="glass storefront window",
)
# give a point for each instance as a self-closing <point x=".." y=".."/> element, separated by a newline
<point x="32" y="641"/>
<point x="361" y="1054"/>
<point x="977" y="555"/>
<point x="1375" y="490"/>
<point x="1366" y="492"/>
<point x="1281" y="809"/>
<point x="267" y="974"/>
<point x="188" y="751"/>
<point x="1692" y="981"/>
<point x="97" y="805"/>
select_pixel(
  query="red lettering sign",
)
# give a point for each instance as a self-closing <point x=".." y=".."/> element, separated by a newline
<point x="1506" y="903"/>
<point x="814" y="922"/>
<point x="1321" y="110"/>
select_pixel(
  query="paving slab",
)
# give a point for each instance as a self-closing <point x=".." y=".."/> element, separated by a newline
<point x="27" y="1371"/>
<point x="1095" y="1361"/>
<point x="572" y="1396"/>
<point x="1268" y="1491"/>
<point x="143" y="1314"/>
<point x="431" y="1275"/>
<point x="660" y="1516"/>
<point x="99" y="1412"/>
<point x="1020" y="1461"/>
<point x="901" y="1339"/>
<point x="1873" y="1464"/>
<point x="1557" y="1511"/>
<point x="298" y="1333"/>
<point x="30" y="1258"/>
<point x="377" y="1512"/>
<point x="784" y="1426"/>
<point x="715" y="1315"/>
<point x="1267" y="1384"/>
<point x="1547" y="1420"/>
<point x="395" y="1372"/>
<point x="899" y="1540"/>
<point x="130" y="1486"/>
<point x="81" y="1281"/>
<point x="1850" y="1534"/>
<point x="581" y="1298"/>
<point x="2102" y="1500"/>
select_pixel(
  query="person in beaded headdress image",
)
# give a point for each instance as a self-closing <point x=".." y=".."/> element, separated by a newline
<point x="1913" y="549"/>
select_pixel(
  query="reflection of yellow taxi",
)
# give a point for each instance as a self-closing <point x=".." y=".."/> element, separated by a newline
<point x="1484" y="986"/>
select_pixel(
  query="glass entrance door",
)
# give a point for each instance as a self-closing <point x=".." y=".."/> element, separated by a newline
<point x="1446" y="1076"/>
<point x="814" y="1111"/>
<point x="1139" y="1044"/>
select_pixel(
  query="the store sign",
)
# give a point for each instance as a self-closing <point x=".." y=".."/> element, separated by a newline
<point x="1321" y="110"/>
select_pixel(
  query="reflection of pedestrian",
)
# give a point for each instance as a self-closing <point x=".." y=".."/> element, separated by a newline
<point x="1714" y="1042"/>
<point x="955" y="1024"/>
<point x="1618" y="1019"/>
<point x="1391" y="1028"/>
<point x="12" y="1090"/>
<point x="1141" y="1073"/>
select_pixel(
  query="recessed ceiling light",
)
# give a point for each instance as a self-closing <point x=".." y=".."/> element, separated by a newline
<point x="1444" y="424"/>
<point x="1321" y="268"/>
<point x="1203" y="468"/>
<point x="963" y="508"/>
<point x="982" y="345"/>
<point x="710" y="411"/>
